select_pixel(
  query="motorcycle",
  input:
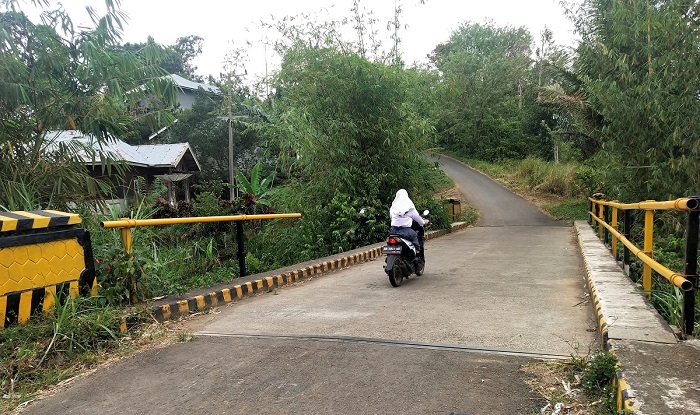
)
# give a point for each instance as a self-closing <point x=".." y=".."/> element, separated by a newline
<point x="402" y="260"/>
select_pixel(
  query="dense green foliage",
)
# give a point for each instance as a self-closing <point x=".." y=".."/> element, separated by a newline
<point x="638" y="65"/>
<point x="54" y="76"/>
<point x="485" y="70"/>
<point x="636" y="72"/>
<point x="348" y="124"/>
<point x="348" y="137"/>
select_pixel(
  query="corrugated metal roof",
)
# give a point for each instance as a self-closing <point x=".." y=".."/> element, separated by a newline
<point x="187" y="84"/>
<point x="152" y="155"/>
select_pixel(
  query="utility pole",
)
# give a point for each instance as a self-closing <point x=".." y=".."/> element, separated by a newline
<point x="233" y="191"/>
<point x="231" y="179"/>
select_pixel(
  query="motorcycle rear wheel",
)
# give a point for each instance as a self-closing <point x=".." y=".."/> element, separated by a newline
<point x="396" y="274"/>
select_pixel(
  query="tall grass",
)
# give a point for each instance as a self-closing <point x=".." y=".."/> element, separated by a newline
<point x="559" y="189"/>
<point x="55" y="346"/>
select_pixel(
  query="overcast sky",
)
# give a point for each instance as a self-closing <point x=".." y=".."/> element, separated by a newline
<point x="225" y="24"/>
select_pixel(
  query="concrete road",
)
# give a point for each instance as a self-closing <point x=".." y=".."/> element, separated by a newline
<point x="495" y="297"/>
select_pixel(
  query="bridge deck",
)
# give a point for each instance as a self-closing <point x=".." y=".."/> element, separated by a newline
<point x="662" y="373"/>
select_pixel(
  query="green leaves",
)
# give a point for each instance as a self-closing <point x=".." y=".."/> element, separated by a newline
<point x="639" y="68"/>
<point x="257" y="187"/>
<point x="485" y="70"/>
<point x="349" y="123"/>
<point x="54" y="76"/>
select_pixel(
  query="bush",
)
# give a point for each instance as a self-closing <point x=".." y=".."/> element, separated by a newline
<point x="598" y="374"/>
<point x="439" y="219"/>
<point x="532" y="170"/>
<point x="206" y="204"/>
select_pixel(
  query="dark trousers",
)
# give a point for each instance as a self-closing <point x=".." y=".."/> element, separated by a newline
<point x="406" y="233"/>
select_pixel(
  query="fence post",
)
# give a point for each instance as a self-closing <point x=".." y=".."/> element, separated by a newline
<point x="601" y="216"/>
<point x="691" y="265"/>
<point x="613" y="223"/>
<point x="593" y="205"/>
<point x="648" y="249"/>
<point x="241" y="248"/>
<point x="628" y="234"/>
<point x="127" y="241"/>
<point x="606" y="232"/>
<point x="127" y="238"/>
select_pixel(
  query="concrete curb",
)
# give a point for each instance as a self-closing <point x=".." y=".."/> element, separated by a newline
<point x="172" y="309"/>
<point x="623" y="314"/>
<point x="624" y="398"/>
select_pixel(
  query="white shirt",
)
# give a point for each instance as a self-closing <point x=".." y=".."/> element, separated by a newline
<point x="406" y="219"/>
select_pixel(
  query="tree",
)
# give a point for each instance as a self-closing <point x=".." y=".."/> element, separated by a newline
<point x="348" y="130"/>
<point x="484" y="69"/>
<point x="53" y="77"/>
<point x="189" y="47"/>
<point x="177" y="58"/>
<point x="347" y="124"/>
<point x="639" y="67"/>
<point x="205" y="127"/>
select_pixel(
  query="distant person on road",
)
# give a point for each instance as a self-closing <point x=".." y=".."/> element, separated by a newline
<point x="403" y="213"/>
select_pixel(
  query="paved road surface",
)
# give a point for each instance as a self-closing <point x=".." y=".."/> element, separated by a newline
<point x="493" y="298"/>
<point x="497" y="206"/>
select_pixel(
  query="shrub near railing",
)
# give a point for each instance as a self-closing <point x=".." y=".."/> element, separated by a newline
<point x="606" y="215"/>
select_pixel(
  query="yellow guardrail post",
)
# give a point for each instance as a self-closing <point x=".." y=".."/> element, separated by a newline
<point x="688" y="281"/>
<point x="613" y="222"/>
<point x="648" y="248"/>
<point x="674" y="278"/>
<point x="601" y="216"/>
<point x="127" y="236"/>
<point x="691" y="271"/>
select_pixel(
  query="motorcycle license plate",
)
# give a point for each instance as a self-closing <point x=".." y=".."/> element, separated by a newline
<point x="391" y="250"/>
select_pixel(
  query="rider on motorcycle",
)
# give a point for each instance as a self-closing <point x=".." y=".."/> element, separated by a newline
<point x="403" y="213"/>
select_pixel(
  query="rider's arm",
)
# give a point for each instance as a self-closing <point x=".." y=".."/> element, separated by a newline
<point x="413" y="214"/>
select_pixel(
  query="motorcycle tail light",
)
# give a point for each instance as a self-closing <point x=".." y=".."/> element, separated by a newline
<point x="393" y="241"/>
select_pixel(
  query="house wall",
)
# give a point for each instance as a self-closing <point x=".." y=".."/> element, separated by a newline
<point x="185" y="99"/>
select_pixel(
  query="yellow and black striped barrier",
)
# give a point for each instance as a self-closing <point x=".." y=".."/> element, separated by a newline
<point x="43" y="255"/>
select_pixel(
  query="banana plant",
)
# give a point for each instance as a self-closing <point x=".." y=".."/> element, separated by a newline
<point x="256" y="188"/>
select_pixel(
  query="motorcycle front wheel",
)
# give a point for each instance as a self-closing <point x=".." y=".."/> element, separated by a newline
<point x="395" y="274"/>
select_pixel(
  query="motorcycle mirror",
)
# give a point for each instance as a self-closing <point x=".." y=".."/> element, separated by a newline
<point x="426" y="212"/>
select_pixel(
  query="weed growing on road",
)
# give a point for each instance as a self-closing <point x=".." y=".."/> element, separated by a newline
<point x="581" y="385"/>
<point x="184" y="337"/>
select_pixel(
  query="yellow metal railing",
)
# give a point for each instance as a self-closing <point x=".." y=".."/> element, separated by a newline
<point x="126" y="225"/>
<point x="606" y="215"/>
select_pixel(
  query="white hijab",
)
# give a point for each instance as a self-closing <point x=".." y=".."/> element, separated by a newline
<point x="401" y="204"/>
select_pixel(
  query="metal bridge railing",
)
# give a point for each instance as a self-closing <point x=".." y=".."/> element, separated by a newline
<point x="606" y="215"/>
<point x="127" y="224"/>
